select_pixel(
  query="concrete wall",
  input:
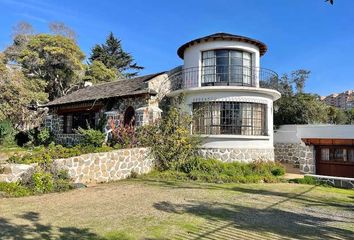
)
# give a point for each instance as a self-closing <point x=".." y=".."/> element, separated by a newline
<point x="294" y="133"/>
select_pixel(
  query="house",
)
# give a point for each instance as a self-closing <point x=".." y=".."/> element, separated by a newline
<point x="317" y="149"/>
<point x="134" y="101"/>
<point x="229" y="95"/>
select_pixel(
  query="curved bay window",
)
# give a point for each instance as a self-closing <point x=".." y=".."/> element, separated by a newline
<point x="236" y="118"/>
<point x="227" y="67"/>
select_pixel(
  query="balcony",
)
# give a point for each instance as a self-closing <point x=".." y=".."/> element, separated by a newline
<point x="228" y="75"/>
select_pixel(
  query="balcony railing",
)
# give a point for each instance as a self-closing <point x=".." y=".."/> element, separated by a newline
<point x="230" y="75"/>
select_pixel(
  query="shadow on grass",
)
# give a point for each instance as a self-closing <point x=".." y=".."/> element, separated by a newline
<point x="301" y="197"/>
<point x="35" y="230"/>
<point x="230" y="221"/>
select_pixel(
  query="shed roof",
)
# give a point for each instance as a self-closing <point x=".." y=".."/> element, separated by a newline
<point x="119" y="88"/>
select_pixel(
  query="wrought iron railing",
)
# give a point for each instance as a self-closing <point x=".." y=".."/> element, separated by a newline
<point x="230" y="75"/>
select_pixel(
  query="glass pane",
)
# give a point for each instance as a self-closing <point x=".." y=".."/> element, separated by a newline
<point x="229" y="118"/>
<point x="350" y="155"/>
<point x="222" y="65"/>
<point x="325" y="154"/>
<point x="208" y="67"/>
<point x="236" y="67"/>
<point x="247" y="68"/>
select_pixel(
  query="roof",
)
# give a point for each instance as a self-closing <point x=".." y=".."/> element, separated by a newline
<point x="223" y="36"/>
<point x="119" y="88"/>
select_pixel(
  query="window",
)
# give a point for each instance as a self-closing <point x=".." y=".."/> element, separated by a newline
<point x="227" y="67"/>
<point x="236" y="118"/>
<point x="325" y="154"/>
<point x="75" y="120"/>
<point x="337" y="154"/>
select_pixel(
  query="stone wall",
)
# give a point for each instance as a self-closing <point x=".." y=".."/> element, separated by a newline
<point x="14" y="172"/>
<point x="68" y="139"/>
<point x="238" y="154"/>
<point x="107" y="166"/>
<point x="91" y="168"/>
<point x="300" y="155"/>
<point x="341" y="182"/>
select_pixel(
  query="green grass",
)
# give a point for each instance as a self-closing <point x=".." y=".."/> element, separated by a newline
<point x="151" y="208"/>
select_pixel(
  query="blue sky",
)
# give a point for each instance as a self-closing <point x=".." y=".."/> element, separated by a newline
<point x="307" y="34"/>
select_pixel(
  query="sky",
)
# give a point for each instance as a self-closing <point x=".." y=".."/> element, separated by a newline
<point x="300" y="34"/>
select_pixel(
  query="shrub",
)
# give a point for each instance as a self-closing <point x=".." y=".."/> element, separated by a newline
<point x="170" y="139"/>
<point x="124" y="136"/>
<point x="211" y="170"/>
<point x="45" y="156"/>
<point x="91" y="137"/>
<point x="14" y="189"/>
<point x="44" y="137"/>
<point x="6" y="132"/>
<point x="309" y="180"/>
<point x="43" y="181"/>
<point x="22" y="138"/>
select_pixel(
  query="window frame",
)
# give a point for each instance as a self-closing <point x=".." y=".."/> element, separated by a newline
<point x="211" y="72"/>
<point x="230" y="118"/>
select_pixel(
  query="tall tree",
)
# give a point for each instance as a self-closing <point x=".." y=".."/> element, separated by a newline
<point x="59" y="28"/>
<point x="112" y="55"/>
<point x="297" y="107"/>
<point x="21" y="34"/>
<point x="16" y="93"/>
<point x="55" y="59"/>
<point x="97" y="72"/>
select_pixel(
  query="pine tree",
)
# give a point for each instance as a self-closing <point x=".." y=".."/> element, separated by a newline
<point x="112" y="55"/>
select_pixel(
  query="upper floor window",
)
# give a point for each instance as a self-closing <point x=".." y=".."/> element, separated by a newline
<point x="227" y="67"/>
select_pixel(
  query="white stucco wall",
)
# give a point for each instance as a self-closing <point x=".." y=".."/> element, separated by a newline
<point x="193" y="54"/>
<point x="234" y="94"/>
<point x="193" y="58"/>
<point x="294" y="133"/>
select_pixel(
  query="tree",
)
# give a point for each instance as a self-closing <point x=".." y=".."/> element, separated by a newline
<point x="97" y="72"/>
<point x="21" y="34"/>
<point x="55" y="59"/>
<point x="112" y="55"/>
<point x="297" y="107"/>
<point x="299" y="78"/>
<point x="330" y="1"/>
<point x="16" y="93"/>
<point x="59" y="28"/>
<point x="350" y="116"/>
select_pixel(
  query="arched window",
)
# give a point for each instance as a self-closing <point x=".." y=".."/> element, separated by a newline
<point x="129" y="116"/>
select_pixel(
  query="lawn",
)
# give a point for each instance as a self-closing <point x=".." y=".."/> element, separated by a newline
<point x="151" y="209"/>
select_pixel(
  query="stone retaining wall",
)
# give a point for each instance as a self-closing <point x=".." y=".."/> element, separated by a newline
<point x="107" y="166"/>
<point x="14" y="172"/>
<point x="341" y="182"/>
<point x="300" y="155"/>
<point x="238" y="154"/>
<point x="93" y="167"/>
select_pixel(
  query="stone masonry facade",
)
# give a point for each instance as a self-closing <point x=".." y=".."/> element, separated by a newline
<point x="91" y="168"/>
<point x="107" y="166"/>
<point x="299" y="155"/>
<point x="238" y="154"/>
